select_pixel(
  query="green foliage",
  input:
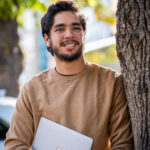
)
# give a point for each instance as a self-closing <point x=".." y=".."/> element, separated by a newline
<point x="102" y="12"/>
<point x="103" y="56"/>
<point x="10" y="9"/>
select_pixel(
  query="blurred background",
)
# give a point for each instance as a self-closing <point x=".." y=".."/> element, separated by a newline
<point x="23" y="52"/>
<point x="22" y="49"/>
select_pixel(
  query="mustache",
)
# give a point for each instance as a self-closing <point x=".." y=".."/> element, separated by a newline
<point x="67" y="41"/>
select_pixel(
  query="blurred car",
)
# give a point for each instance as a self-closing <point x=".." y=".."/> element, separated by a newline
<point x="7" y="105"/>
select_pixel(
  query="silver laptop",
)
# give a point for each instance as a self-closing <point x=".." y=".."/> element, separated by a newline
<point x="53" y="136"/>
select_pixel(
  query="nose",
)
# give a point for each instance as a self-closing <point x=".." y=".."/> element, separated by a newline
<point x="68" y="34"/>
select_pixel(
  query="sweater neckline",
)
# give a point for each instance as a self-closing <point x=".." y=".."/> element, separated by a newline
<point x="64" y="74"/>
<point x="72" y="77"/>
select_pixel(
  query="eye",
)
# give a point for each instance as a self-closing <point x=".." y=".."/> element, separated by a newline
<point x="59" y="29"/>
<point x="77" y="28"/>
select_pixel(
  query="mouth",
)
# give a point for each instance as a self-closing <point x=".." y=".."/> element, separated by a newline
<point x="70" y="44"/>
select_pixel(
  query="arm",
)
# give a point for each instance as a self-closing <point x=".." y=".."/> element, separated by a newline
<point x="20" y="133"/>
<point x="119" y="121"/>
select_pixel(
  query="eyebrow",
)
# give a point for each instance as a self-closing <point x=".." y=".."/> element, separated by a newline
<point x="59" y="25"/>
<point x="73" y="24"/>
<point x="76" y="24"/>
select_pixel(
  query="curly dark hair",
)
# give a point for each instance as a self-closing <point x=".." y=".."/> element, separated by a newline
<point x="48" y="19"/>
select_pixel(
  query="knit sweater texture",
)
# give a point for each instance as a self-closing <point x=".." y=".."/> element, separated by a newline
<point x="91" y="102"/>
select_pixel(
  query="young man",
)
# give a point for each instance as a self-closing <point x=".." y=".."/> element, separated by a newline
<point x="77" y="94"/>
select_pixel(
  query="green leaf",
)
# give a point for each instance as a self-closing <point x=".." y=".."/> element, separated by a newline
<point x="92" y="3"/>
<point x="39" y="6"/>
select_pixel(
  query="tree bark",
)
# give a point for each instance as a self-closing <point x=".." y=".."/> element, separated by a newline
<point x="10" y="57"/>
<point x="133" y="49"/>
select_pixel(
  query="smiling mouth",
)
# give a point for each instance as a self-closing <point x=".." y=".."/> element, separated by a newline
<point x="70" y="43"/>
<point x="70" y="46"/>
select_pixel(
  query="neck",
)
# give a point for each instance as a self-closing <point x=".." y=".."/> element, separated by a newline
<point x="70" y="68"/>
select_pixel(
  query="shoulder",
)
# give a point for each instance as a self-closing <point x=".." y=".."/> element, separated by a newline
<point x="103" y="72"/>
<point x="107" y="77"/>
<point x="34" y="89"/>
<point x="38" y="80"/>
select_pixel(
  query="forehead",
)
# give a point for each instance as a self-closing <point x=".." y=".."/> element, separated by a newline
<point x="66" y="17"/>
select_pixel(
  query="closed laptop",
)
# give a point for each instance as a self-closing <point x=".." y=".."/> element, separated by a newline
<point x="53" y="136"/>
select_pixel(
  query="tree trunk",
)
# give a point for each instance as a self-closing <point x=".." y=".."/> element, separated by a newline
<point x="133" y="49"/>
<point x="10" y="57"/>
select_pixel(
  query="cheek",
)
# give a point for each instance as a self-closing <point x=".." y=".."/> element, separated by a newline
<point x="80" y="37"/>
<point x="57" y="38"/>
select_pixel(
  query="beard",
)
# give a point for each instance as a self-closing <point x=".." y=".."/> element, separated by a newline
<point x="66" y="57"/>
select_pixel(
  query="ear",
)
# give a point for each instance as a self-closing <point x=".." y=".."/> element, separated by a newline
<point x="47" y="40"/>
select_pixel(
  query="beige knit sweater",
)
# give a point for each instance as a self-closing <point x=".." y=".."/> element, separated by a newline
<point x="91" y="102"/>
